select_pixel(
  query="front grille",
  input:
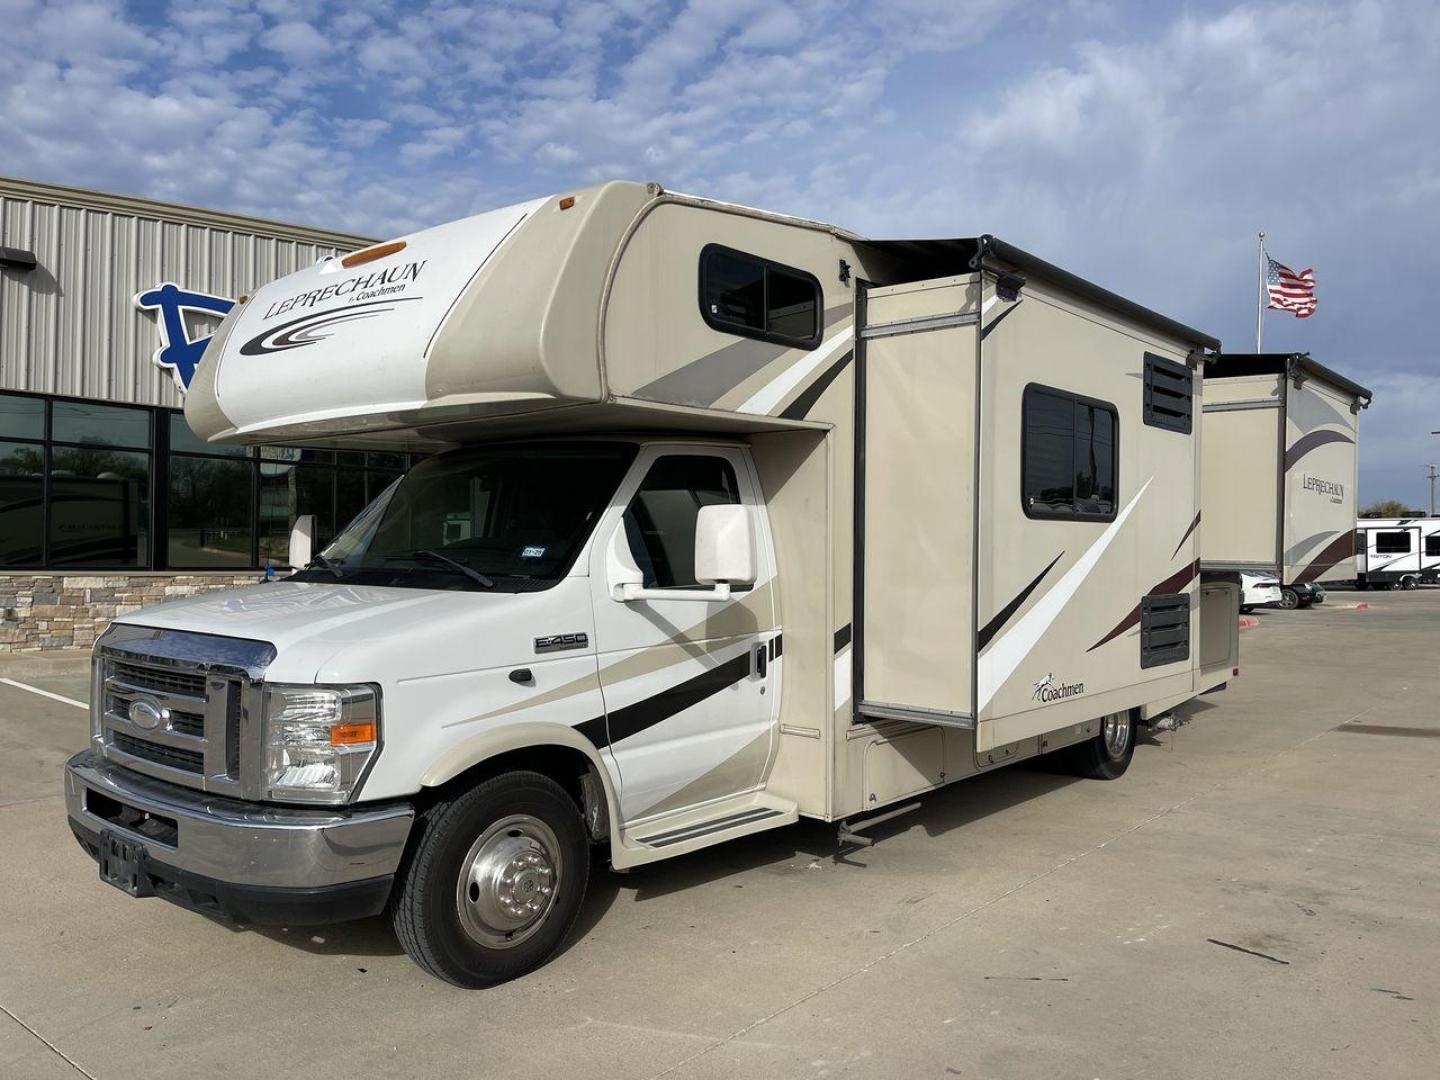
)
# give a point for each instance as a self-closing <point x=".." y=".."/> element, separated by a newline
<point x="191" y="761"/>
<point x="187" y="723"/>
<point x="206" y="689"/>
<point x="160" y="680"/>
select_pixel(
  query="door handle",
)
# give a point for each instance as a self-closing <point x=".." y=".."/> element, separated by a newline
<point x="762" y="655"/>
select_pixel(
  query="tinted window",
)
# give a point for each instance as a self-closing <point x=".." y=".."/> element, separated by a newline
<point x="747" y="295"/>
<point x="790" y="305"/>
<point x="1432" y="546"/>
<point x="1068" y="456"/>
<point x="1392" y="543"/>
<point x="99" y="507"/>
<point x="660" y="522"/>
<point x="22" y="417"/>
<point x="99" y="425"/>
<point x="735" y="289"/>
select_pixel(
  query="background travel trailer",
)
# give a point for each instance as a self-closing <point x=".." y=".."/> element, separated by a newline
<point x="1281" y="464"/>
<point x="1397" y="552"/>
<point x="970" y="485"/>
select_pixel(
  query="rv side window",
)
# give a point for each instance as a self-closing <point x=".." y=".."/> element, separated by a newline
<point x="660" y="522"/>
<point x="1068" y="456"/>
<point x="1432" y="546"/>
<point x="1169" y="394"/>
<point x="754" y="297"/>
<point x="1392" y="543"/>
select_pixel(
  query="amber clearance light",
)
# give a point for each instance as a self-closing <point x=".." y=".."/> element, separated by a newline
<point x="370" y="254"/>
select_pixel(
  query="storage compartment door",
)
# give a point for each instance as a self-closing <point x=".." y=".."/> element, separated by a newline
<point x="1240" y="490"/>
<point x="917" y="623"/>
<point x="1219" y="632"/>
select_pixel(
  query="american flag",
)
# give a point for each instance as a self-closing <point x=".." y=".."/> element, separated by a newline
<point x="1288" y="290"/>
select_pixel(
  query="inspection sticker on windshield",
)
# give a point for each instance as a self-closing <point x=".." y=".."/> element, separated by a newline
<point x="531" y="551"/>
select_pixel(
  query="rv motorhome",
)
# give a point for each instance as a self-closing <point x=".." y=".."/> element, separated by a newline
<point x="732" y="518"/>
<point x="1281" y="458"/>
<point x="1397" y="553"/>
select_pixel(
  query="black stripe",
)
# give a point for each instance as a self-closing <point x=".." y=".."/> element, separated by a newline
<point x="802" y="405"/>
<point x="776" y="647"/>
<point x="842" y="637"/>
<point x="990" y="629"/>
<point x="1311" y="441"/>
<point x="633" y="719"/>
<point x="996" y="321"/>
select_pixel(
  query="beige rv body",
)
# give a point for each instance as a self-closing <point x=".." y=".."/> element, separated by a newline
<point x="1281" y="462"/>
<point x="931" y="629"/>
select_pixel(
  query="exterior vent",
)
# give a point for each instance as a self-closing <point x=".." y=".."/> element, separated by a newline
<point x="1164" y="629"/>
<point x="1169" y="394"/>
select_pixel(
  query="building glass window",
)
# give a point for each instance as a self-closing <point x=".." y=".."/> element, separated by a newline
<point x="1068" y="456"/>
<point x="22" y="503"/>
<point x="111" y="487"/>
<point x="208" y="513"/>
<point x="99" y="425"/>
<point x="99" y="508"/>
<point x="22" y="417"/>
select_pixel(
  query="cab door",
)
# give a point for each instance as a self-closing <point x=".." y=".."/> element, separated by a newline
<point x="690" y="687"/>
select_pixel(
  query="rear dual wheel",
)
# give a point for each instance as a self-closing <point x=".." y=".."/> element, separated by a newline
<point x="1108" y="754"/>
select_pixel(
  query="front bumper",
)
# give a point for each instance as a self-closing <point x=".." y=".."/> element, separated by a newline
<point x="245" y="861"/>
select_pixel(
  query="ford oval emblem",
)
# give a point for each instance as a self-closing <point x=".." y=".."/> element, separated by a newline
<point x="147" y="713"/>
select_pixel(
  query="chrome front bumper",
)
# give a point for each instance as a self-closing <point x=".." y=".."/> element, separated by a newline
<point x="209" y="838"/>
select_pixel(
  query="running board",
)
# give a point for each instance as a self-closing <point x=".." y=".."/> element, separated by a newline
<point x="705" y="828"/>
<point x="691" y="830"/>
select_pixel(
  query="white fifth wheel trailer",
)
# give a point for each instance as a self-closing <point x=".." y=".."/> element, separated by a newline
<point x="1281" y="461"/>
<point x="732" y="518"/>
<point x="1396" y="553"/>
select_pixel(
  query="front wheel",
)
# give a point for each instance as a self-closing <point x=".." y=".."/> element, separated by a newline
<point x="496" y="881"/>
<point x="1289" y="598"/>
<point x="1108" y="754"/>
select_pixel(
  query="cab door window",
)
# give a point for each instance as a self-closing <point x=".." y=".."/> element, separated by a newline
<point x="660" y="521"/>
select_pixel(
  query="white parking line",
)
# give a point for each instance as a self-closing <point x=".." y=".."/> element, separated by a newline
<point x="44" y="693"/>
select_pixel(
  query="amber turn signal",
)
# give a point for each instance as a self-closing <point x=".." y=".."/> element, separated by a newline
<point x="352" y="734"/>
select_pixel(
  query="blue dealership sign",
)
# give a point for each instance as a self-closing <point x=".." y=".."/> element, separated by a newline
<point x="178" y="352"/>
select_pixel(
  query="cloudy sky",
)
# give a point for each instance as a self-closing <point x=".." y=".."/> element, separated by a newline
<point x="1141" y="144"/>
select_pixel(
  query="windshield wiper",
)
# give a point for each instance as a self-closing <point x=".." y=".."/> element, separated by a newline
<point x="328" y="564"/>
<point x="434" y="556"/>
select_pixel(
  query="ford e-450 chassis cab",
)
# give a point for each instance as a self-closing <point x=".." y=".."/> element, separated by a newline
<point x="728" y="518"/>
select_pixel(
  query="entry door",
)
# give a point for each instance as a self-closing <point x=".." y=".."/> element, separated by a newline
<point x="690" y="687"/>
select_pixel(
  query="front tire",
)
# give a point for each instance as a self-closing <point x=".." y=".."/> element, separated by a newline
<point x="1107" y="756"/>
<point x="495" y="882"/>
<point x="1289" y="598"/>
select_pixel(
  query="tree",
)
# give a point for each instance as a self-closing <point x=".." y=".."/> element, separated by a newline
<point x="1389" y="508"/>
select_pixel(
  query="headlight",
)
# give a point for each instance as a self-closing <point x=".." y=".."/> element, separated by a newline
<point x="319" y="740"/>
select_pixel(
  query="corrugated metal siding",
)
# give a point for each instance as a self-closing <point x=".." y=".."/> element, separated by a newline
<point x="70" y="325"/>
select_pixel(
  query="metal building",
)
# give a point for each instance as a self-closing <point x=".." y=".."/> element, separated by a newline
<point x="107" y="500"/>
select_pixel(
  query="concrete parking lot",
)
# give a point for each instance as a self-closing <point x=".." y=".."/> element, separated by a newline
<point x="1257" y="897"/>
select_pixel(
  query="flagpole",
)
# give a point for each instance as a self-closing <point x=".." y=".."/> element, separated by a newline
<point x="1259" y="287"/>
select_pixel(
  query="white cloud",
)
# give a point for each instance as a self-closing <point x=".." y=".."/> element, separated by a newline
<point x="298" y="42"/>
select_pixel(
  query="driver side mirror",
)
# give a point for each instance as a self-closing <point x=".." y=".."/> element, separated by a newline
<point x="302" y="542"/>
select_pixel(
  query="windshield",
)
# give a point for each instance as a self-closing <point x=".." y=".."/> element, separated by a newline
<point x="511" y="518"/>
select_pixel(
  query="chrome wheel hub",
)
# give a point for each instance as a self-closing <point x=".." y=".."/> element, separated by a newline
<point x="508" y="881"/>
<point x="1116" y="731"/>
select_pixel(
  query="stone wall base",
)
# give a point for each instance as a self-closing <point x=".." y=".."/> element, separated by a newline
<point x="61" y="611"/>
